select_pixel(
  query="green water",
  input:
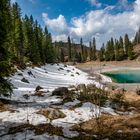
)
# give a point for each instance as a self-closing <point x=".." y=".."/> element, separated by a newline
<point x="126" y="76"/>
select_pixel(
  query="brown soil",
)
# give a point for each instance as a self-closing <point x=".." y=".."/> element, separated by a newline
<point x="5" y="107"/>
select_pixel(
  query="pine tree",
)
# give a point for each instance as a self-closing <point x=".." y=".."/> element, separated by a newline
<point x="137" y="38"/>
<point x="130" y="51"/>
<point x="82" y="50"/>
<point x="90" y="52"/>
<point x="110" y="52"/>
<point x="69" y="48"/>
<point x="102" y="53"/>
<point x="48" y="47"/>
<point x="5" y="26"/>
<point x="117" y="55"/>
<point x="94" y="49"/>
<point x="121" y="49"/>
<point x="62" y="55"/>
<point x="126" y="42"/>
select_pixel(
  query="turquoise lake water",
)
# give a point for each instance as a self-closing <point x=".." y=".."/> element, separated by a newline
<point x="127" y="76"/>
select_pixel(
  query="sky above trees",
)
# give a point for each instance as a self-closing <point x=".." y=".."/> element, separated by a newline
<point x="101" y="19"/>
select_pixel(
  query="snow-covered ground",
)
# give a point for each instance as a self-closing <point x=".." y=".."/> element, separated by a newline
<point x="49" y="77"/>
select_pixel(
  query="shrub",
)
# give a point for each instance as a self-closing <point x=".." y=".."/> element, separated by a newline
<point x="5" y="87"/>
<point x="117" y="100"/>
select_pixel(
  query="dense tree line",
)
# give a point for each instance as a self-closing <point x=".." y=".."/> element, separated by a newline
<point x="22" y="40"/>
<point x="117" y="50"/>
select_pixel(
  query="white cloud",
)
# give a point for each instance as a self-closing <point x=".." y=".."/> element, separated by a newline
<point x="59" y="24"/>
<point x="98" y="23"/>
<point x="13" y="1"/>
<point x="95" y="3"/>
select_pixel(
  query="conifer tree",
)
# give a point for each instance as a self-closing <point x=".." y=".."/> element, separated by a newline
<point x="94" y="49"/>
<point x="126" y="42"/>
<point x="62" y="55"/>
<point x="5" y="26"/>
<point x="90" y="52"/>
<point x="69" y="48"/>
<point x="121" y="49"/>
<point x="101" y="53"/>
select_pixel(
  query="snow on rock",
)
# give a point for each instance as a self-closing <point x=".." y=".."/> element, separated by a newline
<point x="30" y="135"/>
<point x="81" y="114"/>
<point x="49" y="77"/>
<point x="68" y="104"/>
<point x="22" y="115"/>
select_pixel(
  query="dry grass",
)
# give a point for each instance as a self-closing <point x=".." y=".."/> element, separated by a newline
<point x="109" y="126"/>
<point x="52" y="113"/>
<point x="38" y="129"/>
<point x="4" y="107"/>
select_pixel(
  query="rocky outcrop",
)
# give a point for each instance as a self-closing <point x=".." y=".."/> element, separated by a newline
<point x="60" y="91"/>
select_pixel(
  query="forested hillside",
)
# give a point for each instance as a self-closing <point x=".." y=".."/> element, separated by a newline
<point x="23" y="40"/>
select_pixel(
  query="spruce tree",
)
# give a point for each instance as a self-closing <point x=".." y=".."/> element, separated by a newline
<point x="82" y="50"/>
<point x="5" y="26"/>
<point x="94" y="49"/>
<point x="62" y="55"/>
<point x="102" y="53"/>
<point x="130" y="51"/>
<point x="121" y="49"/>
<point x="69" y="48"/>
<point x="90" y="51"/>
<point x="126" y="42"/>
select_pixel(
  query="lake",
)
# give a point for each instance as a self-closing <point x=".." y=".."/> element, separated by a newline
<point x="125" y="76"/>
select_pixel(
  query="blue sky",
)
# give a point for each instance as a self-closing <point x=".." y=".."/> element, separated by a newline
<point x="85" y="18"/>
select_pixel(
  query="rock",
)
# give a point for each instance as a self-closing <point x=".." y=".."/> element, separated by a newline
<point x="60" y="69"/>
<point x="60" y="91"/>
<point x="52" y="113"/>
<point x="26" y="96"/>
<point x="38" y="88"/>
<point x="20" y="74"/>
<point x="24" y="80"/>
<point x="39" y="94"/>
<point x="77" y="73"/>
<point x="68" y="71"/>
<point x="72" y="75"/>
<point x="65" y="66"/>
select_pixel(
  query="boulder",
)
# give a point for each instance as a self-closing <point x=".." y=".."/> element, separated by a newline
<point x="26" y="96"/>
<point x="24" y="80"/>
<point x="38" y="88"/>
<point x="20" y="74"/>
<point x="60" y="91"/>
<point x="77" y="73"/>
<point x="39" y="94"/>
<point x="65" y="66"/>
